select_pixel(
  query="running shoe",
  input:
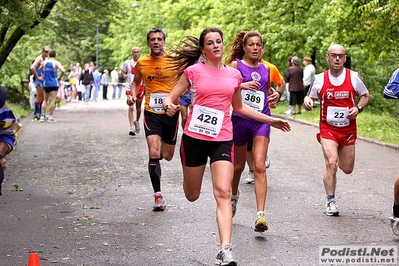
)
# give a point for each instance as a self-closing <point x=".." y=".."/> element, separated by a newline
<point x="137" y="127"/>
<point x="42" y="118"/>
<point x="36" y="118"/>
<point x="260" y="223"/>
<point x="51" y="119"/>
<point x="225" y="257"/>
<point x="395" y="225"/>
<point x="159" y="205"/>
<point x="331" y="209"/>
<point x="267" y="162"/>
<point x="234" y="203"/>
<point x="132" y="132"/>
<point x="250" y="179"/>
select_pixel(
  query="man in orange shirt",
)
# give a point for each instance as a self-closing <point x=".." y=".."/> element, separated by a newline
<point x="160" y="129"/>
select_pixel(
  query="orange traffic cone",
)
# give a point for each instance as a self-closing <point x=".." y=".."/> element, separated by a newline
<point x="33" y="259"/>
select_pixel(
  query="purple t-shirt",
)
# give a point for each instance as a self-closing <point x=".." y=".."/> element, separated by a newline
<point x="260" y="74"/>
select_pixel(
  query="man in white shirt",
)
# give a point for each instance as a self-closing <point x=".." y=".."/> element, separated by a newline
<point x="337" y="89"/>
<point x="308" y="73"/>
<point x="128" y="73"/>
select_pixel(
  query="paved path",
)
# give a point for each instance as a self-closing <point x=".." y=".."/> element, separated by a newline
<point x="86" y="199"/>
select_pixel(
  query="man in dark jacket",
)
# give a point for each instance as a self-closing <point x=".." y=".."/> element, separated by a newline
<point x="86" y="78"/>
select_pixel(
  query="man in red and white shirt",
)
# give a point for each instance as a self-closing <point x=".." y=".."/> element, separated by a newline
<point x="127" y="70"/>
<point x="337" y="90"/>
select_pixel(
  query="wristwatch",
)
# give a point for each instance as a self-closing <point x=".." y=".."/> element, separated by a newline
<point x="359" y="108"/>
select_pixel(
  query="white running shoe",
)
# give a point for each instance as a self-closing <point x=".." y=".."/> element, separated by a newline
<point x="51" y="119"/>
<point x="395" y="225"/>
<point x="250" y="179"/>
<point x="137" y="127"/>
<point x="132" y="131"/>
<point x="331" y="209"/>
<point x="225" y="257"/>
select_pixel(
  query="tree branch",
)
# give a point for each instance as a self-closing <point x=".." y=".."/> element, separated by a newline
<point x="19" y="32"/>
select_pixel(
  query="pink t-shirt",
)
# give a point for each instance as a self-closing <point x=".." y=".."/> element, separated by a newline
<point x="212" y="88"/>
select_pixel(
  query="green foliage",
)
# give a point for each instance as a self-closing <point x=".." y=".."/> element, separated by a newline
<point x="368" y="29"/>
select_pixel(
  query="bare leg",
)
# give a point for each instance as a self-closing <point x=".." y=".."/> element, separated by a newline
<point x="222" y="176"/>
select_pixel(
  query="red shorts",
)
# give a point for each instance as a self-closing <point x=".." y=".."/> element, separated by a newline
<point x="342" y="139"/>
<point x="140" y="94"/>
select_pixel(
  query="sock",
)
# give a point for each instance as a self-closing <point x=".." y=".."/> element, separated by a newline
<point x="395" y="210"/>
<point x="330" y="198"/>
<point x="260" y="212"/>
<point x="37" y="109"/>
<point x="234" y="196"/>
<point x="154" y="168"/>
<point x="40" y="108"/>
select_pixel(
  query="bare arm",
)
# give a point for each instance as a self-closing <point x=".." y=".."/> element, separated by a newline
<point x="363" y="101"/>
<point x="247" y="111"/>
<point x="3" y="151"/>
<point x="252" y="85"/>
<point x="124" y="74"/>
<point x="33" y="67"/>
<point x="280" y="88"/>
<point x="177" y="91"/>
<point x="61" y="68"/>
<point x="134" y="89"/>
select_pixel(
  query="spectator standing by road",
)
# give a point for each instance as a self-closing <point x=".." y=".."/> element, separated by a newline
<point x="104" y="83"/>
<point x="294" y="76"/>
<point x="74" y="81"/>
<point x="39" y="82"/>
<point x="96" y="82"/>
<point x="50" y="68"/>
<point x="287" y="86"/>
<point x="336" y="89"/>
<point x="160" y="129"/>
<point x="308" y="73"/>
<point x="391" y="91"/>
<point x="86" y="79"/>
<point x="115" y="83"/>
<point x="8" y="129"/>
<point x="208" y="132"/>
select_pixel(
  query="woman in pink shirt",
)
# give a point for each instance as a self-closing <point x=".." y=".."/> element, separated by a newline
<point x="208" y="132"/>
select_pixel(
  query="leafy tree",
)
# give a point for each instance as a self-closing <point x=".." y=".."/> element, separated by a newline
<point x="368" y="29"/>
<point x="27" y="26"/>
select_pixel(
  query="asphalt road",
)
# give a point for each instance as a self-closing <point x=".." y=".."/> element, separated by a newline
<point x="78" y="193"/>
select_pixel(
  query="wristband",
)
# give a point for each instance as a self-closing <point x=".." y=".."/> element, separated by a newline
<point x="359" y="108"/>
<point x="127" y="92"/>
<point x="166" y="107"/>
<point x="279" y="93"/>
